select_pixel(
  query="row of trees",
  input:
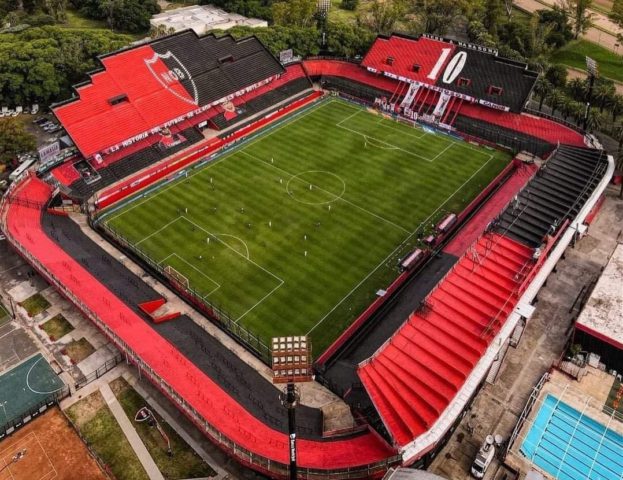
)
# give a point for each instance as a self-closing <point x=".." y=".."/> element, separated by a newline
<point x="39" y="65"/>
<point x="130" y="16"/>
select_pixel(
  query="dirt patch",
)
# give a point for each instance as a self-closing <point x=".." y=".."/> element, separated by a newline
<point x="51" y="449"/>
<point x="88" y="408"/>
<point x="78" y="350"/>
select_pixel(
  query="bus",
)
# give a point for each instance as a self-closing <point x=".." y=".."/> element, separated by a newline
<point x="21" y="169"/>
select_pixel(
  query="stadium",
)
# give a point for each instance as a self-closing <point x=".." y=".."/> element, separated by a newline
<point x="402" y="211"/>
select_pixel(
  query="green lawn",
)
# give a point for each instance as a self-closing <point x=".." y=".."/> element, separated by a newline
<point x="100" y="429"/>
<point x="57" y="327"/>
<point x="35" y="304"/>
<point x="574" y="55"/>
<point x="76" y="20"/>
<point x="5" y="317"/>
<point x="296" y="231"/>
<point x="184" y="463"/>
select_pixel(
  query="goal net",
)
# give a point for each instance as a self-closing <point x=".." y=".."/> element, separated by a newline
<point x="176" y="276"/>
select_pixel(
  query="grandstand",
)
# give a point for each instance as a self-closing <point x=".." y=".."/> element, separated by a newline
<point x="408" y="367"/>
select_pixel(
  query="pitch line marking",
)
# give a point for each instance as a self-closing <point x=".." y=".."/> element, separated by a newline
<point x="298" y="177"/>
<point x="326" y="191"/>
<point x="225" y="155"/>
<point x="246" y="247"/>
<point x="46" y="456"/>
<point x="233" y="249"/>
<point x="386" y="143"/>
<point x="281" y="281"/>
<point x="158" y="231"/>
<point x="218" y="285"/>
<point x="399" y="246"/>
<point x="28" y="381"/>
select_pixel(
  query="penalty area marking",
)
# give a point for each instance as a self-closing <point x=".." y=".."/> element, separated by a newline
<point x="218" y="285"/>
<point x="25" y="443"/>
<point x="298" y="177"/>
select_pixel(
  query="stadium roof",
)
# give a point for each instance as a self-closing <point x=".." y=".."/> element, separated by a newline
<point x="603" y="313"/>
<point x="466" y="70"/>
<point x="142" y="89"/>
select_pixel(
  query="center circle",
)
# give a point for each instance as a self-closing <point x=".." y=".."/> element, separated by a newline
<point x="316" y="185"/>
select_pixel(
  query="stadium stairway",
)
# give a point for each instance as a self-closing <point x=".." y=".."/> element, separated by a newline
<point x="413" y="378"/>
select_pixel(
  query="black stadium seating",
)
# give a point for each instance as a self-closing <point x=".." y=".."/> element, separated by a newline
<point x="557" y="193"/>
<point x="218" y="66"/>
<point x="484" y="70"/>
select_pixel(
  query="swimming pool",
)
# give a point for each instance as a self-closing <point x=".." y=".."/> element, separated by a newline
<point x="571" y="446"/>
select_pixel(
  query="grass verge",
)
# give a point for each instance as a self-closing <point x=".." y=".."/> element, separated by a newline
<point x="574" y="55"/>
<point x="78" y="350"/>
<point x="184" y="463"/>
<point x="35" y="305"/>
<point x="57" y="327"/>
<point x="100" y="429"/>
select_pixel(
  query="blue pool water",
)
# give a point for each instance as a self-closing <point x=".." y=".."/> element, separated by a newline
<point x="571" y="446"/>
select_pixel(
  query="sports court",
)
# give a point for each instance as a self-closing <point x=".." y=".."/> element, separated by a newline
<point x="296" y="230"/>
<point x="26" y="385"/>
<point x="47" y="448"/>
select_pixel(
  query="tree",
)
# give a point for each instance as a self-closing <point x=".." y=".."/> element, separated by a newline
<point x="616" y="14"/>
<point x="542" y="88"/>
<point x="578" y="12"/>
<point x="554" y="100"/>
<point x="493" y="10"/>
<point x="557" y="75"/>
<point x="603" y="93"/>
<point x="346" y="40"/>
<point x="14" y="139"/>
<point x="381" y="15"/>
<point x="39" y="65"/>
<point x="558" y="19"/>
<point x="294" y="13"/>
<point x="437" y="16"/>
<point x="349" y="4"/>
<point x="577" y="88"/>
<point x="616" y="107"/>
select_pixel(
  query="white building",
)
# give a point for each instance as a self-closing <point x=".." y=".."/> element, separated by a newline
<point x="202" y="18"/>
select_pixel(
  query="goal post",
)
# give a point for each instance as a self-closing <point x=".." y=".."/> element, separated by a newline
<point x="176" y="276"/>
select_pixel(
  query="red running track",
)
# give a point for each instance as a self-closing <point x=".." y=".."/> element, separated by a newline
<point x="415" y="376"/>
<point x="198" y="390"/>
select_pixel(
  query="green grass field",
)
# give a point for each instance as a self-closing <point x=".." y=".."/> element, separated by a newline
<point x="574" y="55"/>
<point x="295" y="231"/>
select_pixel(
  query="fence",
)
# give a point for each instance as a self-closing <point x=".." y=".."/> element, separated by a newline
<point x="32" y="411"/>
<point x="255" y="343"/>
<point x="98" y="372"/>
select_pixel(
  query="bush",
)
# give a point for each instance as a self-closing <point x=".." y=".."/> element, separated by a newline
<point x="349" y="4"/>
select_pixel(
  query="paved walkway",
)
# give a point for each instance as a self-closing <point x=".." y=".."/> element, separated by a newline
<point x="205" y="456"/>
<point x="128" y="429"/>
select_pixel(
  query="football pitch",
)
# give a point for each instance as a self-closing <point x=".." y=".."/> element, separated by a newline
<point x="295" y="231"/>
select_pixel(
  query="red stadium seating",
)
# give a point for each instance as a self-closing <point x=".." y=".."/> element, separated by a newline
<point x="413" y="378"/>
<point x="407" y="52"/>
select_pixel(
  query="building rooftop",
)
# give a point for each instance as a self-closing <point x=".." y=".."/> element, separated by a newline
<point x="203" y="18"/>
<point x="603" y="313"/>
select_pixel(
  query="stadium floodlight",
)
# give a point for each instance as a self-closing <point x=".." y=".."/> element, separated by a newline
<point x="291" y="360"/>
<point x="592" y="67"/>
<point x="323" y="7"/>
